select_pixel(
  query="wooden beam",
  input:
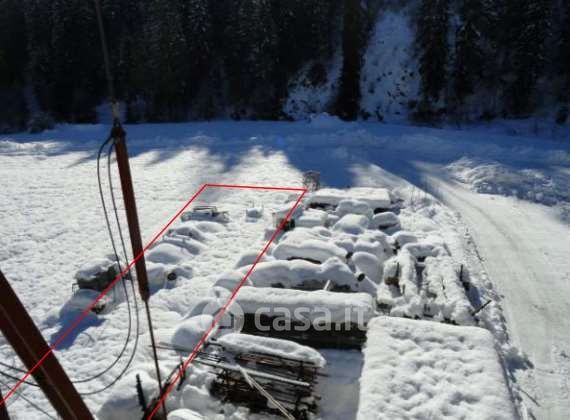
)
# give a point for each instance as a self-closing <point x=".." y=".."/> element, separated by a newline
<point x="24" y="336"/>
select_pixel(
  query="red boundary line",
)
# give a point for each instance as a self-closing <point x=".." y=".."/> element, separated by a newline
<point x="138" y="257"/>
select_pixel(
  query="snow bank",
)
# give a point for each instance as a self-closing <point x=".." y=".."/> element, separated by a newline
<point x="419" y="370"/>
<point x="317" y="306"/>
<point x="245" y="343"/>
<point x="491" y="177"/>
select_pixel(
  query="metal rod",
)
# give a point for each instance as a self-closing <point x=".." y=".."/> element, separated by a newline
<point x="24" y="336"/>
<point x="119" y="136"/>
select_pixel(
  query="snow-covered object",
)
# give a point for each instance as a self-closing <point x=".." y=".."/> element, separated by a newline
<point x="159" y="274"/>
<point x="374" y="242"/>
<point x="384" y="221"/>
<point x="311" y="218"/>
<point x="245" y="343"/>
<point x="94" y="269"/>
<point x="444" y="293"/>
<point x="422" y="250"/>
<point x="310" y="249"/>
<point x="420" y="369"/>
<point x="352" y="206"/>
<point x="403" y="299"/>
<point x="209" y="213"/>
<point x="376" y="198"/>
<point x="189" y="229"/>
<point x="189" y="332"/>
<point x="184" y="414"/>
<point x="297" y="274"/>
<point x="254" y="212"/>
<point x="403" y="237"/>
<point x="317" y="307"/>
<point x="353" y="224"/>
<point x="368" y="264"/>
<point x="167" y="252"/>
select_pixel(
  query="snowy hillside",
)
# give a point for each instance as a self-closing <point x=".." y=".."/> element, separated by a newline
<point x="514" y="250"/>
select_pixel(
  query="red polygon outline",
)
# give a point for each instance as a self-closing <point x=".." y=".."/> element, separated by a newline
<point x="220" y="313"/>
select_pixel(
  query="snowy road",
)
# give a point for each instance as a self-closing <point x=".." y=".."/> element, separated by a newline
<point x="525" y="251"/>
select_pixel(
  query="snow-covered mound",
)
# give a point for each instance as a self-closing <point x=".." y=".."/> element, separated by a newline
<point x="352" y="224"/>
<point x="420" y="369"/>
<point x="246" y="343"/>
<point x="310" y="249"/>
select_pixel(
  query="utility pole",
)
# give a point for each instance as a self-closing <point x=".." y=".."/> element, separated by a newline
<point x="119" y="137"/>
<point x="29" y="344"/>
<point x="3" y="410"/>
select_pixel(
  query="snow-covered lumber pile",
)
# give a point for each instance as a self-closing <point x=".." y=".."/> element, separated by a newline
<point x="320" y="319"/>
<point x="378" y="199"/>
<point x="422" y="369"/>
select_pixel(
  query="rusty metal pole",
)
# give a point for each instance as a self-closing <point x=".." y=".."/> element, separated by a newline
<point x="119" y="136"/>
<point x="3" y="410"/>
<point x="29" y="344"/>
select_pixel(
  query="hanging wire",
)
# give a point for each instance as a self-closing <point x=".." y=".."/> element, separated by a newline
<point x="33" y="405"/>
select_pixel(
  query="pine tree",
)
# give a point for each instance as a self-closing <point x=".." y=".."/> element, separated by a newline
<point x="252" y="60"/>
<point x="13" y="58"/>
<point x="198" y="32"/>
<point x="563" y="55"/>
<point x="167" y="60"/>
<point x="469" y="54"/>
<point x="348" y="102"/>
<point x="529" y="23"/>
<point x="432" y="44"/>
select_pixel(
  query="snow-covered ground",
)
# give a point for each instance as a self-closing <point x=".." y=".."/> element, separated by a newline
<point x="52" y="224"/>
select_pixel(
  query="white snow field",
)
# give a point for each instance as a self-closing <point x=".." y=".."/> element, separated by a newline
<point x="514" y="249"/>
<point x="423" y="370"/>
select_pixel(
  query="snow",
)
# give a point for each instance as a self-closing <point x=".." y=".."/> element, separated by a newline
<point x="312" y="218"/>
<point x="352" y="224"/>
<point x="389" y="76"/>
<point x="374" y="197"/>
<point x="245" y="343"/>
<point x="384" y="221"/>
<point x="310" y="248"/>
<point x="189" y="332"/>
<point x="514" y="251"/>
<point x="315" y="306"/>
<point x="492" y="177"/>
<point x="184" y="414"/>
<point x="421" y="370"/>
